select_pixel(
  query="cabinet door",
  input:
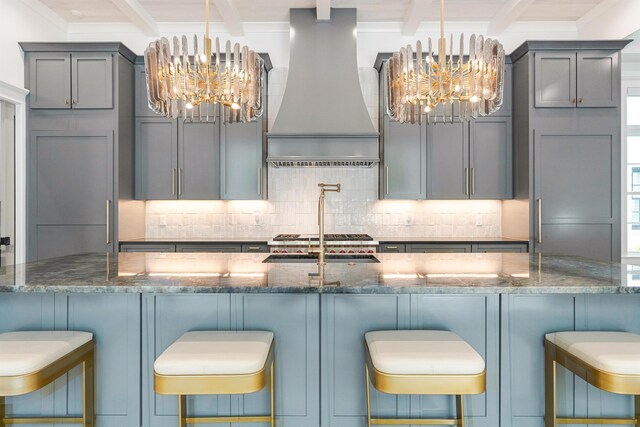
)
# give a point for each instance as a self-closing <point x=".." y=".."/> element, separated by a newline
<point x="71" y="193"/>
<point x="392" y="248"/>
<point x="147" y="247"/>
<point x="576" y="187"/>
<point x="91" y="81"/>
<point x="404" y="172"/>
<point x="241" y="159"/>
<point x="598" y="79"/>
<point x="490" y="147"/>
<point x="50" y="80"/>
<point x="156" y="159"/>
<point x="447" y="161"/>
<point x="210" y="247"/>
<point x="499" y="247"/>
<point x="198" y="160"/>
<point x="555" y="79"/>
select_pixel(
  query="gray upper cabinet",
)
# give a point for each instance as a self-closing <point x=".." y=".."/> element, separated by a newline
<point x="91" y="80"/>
<point x="589" y="78"/>
<point x="243" y="173"/>
<point x="490" y="155"/>
<point x="79" y="80"/>
<point x="447" y="161"/>
<point x="404" y="171"/>
<point x="50" y="80"/>
<point x="198" y="160"/>
<point x="156" y="159"/>
<point x="555" y="79"/>
<point x="142" y="103"/>
<point x="598" y="79"/>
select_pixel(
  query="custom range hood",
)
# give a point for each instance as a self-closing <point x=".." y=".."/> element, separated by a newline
<point x="323" y="120"/>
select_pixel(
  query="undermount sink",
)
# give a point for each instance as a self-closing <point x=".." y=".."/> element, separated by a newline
<point x="305" y="258"/>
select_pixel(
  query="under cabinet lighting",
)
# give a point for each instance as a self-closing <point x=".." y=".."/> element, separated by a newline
<point x="462" y="275"/>
<point x="185" y="274"/>
<point x="400" y="276"/>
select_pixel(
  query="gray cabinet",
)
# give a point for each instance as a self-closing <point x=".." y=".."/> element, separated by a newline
<point x="570" y="78"/>
<point x="147" y="247"/>
<point x="392" y="248"/>
<point x="156" y="159"/>
<point x="448" y="161"/>
<point x="490" y="154"/>
<point x="426" y="248"/>
<point x="242" y="157"/>
<point x="576" y="193"/>
<point x="78" y="80"/>
<point x="71" y="190"/>
<point x="500" y="247"/>
<point x="209" y="247"/>
<point x="198" y="160"/>
<point x="405" y="156"/>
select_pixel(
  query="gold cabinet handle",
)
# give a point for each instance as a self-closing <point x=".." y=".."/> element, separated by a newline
<point x="392" y="247"/>
<point x="108" y="217"/>
<point x="539" y="220"/>
<point x="386" y="180"/>
<point x="66" y="101"/>
<point x="260" y="181"/>
<point x="473" y="181"/>
<point x="580" y="100"/>
<point x="254" y="248"/>
<point x="466" y="181"/>
<point x="173" y="181"/>
<point x="573" y="100"/>
<point x="73" y="101"/>
<point x="179" y="181"/>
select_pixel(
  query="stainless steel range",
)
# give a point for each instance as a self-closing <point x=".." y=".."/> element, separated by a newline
<point x="339" y="244"/>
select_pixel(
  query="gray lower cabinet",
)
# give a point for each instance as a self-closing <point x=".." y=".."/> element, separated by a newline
<point x="242" y="157"/>
<point x="392" y="247"/>
<point x="405" y="156"/>
<point x="500" y="247"/>
<point x="293" y="318"/>
<point x="255" y="247"/>
<point x="209" y="247"/>
<point x="147" y="247"/>
<point x="78" y="80"/>
<point x="490" y="158"/>
<point x="425" y="248"/>
<point x="458" y="247"/>
<point x="156" y="158"/>
<point x="114" y="319"/>
<point x="346" y="319"/>
<point x="570" y="78"/>
<point x="448" y="161"/>
<point x="70" y="193"/>
<point x="577" y="199"/>
<point x="525" y="321"/>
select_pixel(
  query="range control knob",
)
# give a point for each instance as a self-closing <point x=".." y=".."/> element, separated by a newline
<point x="284" y="252"/>
<point x="342" y="251"/>
<point x="332" y="251"/>
<point x="298" y="251"/>
<point x="351" y="251"/>
<point x="275" y="251"/>
<point x="370" y="251"/>
<point x="362" y="251"/>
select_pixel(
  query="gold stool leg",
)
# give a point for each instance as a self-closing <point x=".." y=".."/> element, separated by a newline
<point x="273" y="394"/>
<point x="3" y="412"/>
<point x="88" y="413"/>
<point x="182" y="410"/>
<point x="460" y="410"/>
<point x="550" y="418"/>
<point x="366" y="373"/>
<point x="637" y="411"/>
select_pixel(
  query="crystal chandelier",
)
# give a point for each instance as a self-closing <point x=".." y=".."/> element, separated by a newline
<point x="431" y="86"/>
<point x="194" y="85"/>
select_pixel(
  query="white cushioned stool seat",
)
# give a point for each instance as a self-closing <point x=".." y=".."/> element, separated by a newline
<point x="613" y="352"/>
<point x="216" y="353"/>
<point x="422" y="353"/>
<point x="23" y="353"/>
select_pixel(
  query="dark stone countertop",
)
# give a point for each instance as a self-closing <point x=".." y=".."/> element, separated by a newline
<point x="245" y="273"/>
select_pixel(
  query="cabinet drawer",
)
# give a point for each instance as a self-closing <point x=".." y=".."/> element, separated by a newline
<point x="426" y="248"/>
<point x="147" y="247"/>
<point x="500" y="247"/>
<point x="255" y="247"/>
<point x="392" y="247"/>
<point x="213" y="247"/>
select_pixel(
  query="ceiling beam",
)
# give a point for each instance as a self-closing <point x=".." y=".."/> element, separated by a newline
<point x="323" y="10"/>
<point x="611" y="19"/>
<point x="416" y="12"/>
<point x="138" y="16"/>
<point x="507" y="14"/>
<point x="230" y="17"/>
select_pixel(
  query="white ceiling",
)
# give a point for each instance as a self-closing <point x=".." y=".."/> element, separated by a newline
<point x="278" y="10"/>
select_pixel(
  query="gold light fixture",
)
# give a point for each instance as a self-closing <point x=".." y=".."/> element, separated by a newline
<point x="195" y="84"/>
<point x="444" y="88"/>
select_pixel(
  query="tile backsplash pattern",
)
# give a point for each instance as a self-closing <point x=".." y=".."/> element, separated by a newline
<point x="293" y="198"/>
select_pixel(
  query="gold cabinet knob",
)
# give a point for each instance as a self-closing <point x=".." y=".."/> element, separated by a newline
<point x="580" y="100"/>
<point x="66" y="101"/>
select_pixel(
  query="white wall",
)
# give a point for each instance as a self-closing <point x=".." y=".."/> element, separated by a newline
<point x="19" y="22"/>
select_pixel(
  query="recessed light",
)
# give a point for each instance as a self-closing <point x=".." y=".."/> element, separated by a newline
<point x="77" y="13"/>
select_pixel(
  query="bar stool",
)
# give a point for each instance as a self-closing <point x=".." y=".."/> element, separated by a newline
<point x="31" y="360"/>
<point x="217" y="362"/>
<point x="422" y="362"/>
<point x="609" y="361"/>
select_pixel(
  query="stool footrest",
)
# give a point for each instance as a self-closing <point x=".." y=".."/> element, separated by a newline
<point x="416" y="421"/>
<point x="212" y="420"/>
<point x="606" y="421"/>
<point x="42" y="420"/>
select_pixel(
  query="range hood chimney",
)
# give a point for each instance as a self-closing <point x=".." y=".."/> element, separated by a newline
<point x="323" y="120"/>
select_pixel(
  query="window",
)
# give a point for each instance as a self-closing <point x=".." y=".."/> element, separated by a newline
<point x="631" y="156"/>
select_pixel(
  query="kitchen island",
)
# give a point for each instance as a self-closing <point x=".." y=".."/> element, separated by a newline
<point x="137" y="304"/>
